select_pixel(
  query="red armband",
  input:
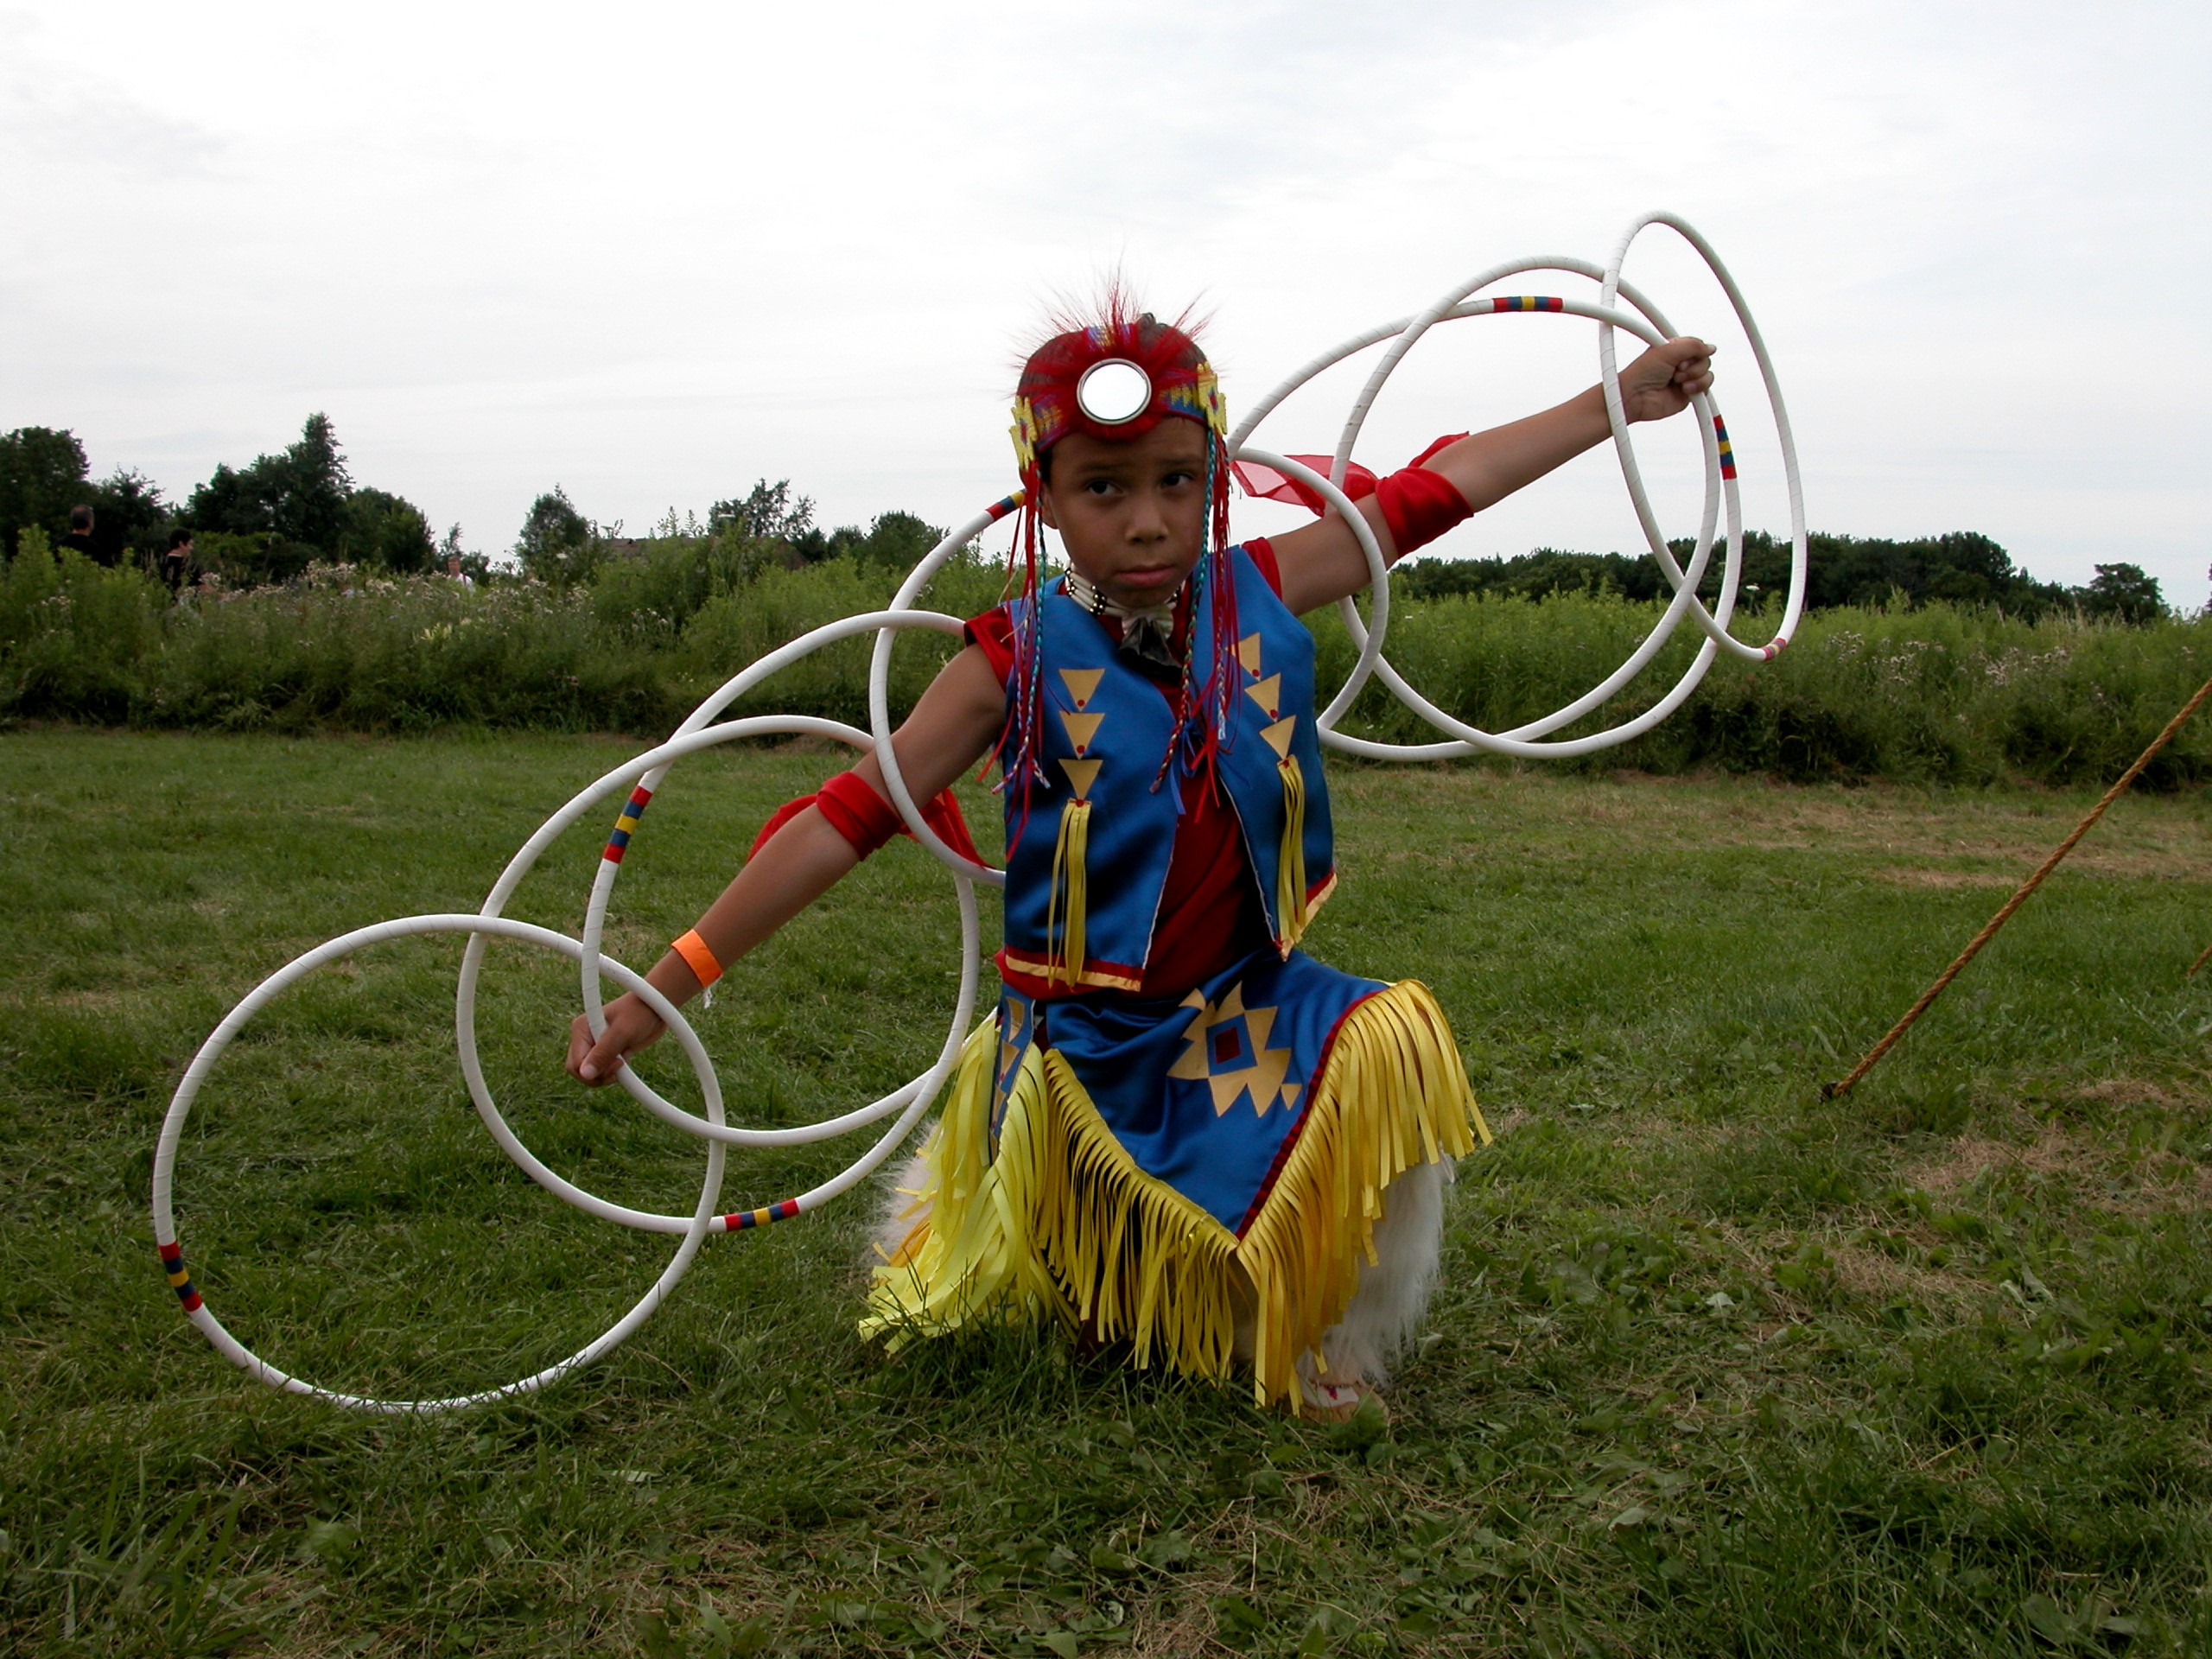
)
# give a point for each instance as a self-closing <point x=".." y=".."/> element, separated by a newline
<point x="857" y="813"/>
<point x="850" y="805"/>
<point x="1420" y="506"/>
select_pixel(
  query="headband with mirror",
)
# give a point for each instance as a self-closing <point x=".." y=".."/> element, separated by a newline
<point x="1115" y="380"/>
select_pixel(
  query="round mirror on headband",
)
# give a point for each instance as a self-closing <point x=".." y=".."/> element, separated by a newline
<point x="1114" y="392"/>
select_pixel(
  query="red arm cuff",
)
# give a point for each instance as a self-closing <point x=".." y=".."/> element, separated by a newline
<point x="1420" y="506"/>
<point x="851" y="807"/>
<point x="857" y="813"/>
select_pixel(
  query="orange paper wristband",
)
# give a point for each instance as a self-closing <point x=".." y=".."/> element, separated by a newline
<point x="697" y="957"/>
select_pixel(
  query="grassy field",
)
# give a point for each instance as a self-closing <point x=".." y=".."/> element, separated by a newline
<point x="1716" y="1370"/>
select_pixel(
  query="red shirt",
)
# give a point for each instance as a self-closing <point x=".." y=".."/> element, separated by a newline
<point x="1210" y="912"/>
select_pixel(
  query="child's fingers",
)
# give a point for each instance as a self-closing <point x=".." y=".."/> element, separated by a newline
<point x="592" y="1061"/>
<point x="606" y="1055"/>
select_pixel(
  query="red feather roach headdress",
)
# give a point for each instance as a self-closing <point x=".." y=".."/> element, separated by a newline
<point x="1049" y="403"/>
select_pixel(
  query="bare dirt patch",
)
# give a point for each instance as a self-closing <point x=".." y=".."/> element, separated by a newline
<point x="2129" y="1182"/>
<point x="2136" y="1091"/>
<point x="1877" y="1277"/>
<point x="2049" y="1153"/>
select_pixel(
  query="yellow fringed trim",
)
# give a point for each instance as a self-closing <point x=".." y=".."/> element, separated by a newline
<point x="1065" y="911"/>
<point x="1291" y="914"/>
<point x="1064" y="1219"/>
<point x="969" y="1257"/>
<point x="1393" y="1095"/>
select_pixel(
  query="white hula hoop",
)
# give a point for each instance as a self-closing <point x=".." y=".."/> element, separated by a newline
<point x="1716" y="629"/>
<point x="1721" y="490"/>
<point x="170" y="1247"/>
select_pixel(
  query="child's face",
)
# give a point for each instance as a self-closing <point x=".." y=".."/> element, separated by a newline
<point x="1132" y="515"/>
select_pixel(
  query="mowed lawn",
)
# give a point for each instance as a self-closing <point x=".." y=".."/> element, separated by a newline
<point x="1717" y="1368"/>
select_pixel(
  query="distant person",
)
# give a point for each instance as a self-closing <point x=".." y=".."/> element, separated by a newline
<point x="80" y="537"/>
<point x="176" y="559"/>
<point x="454" y="571"/>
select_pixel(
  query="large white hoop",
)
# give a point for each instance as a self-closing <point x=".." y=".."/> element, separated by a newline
<point x="165" y="1150"/>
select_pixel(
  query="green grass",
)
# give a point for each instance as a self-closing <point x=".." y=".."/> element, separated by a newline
<point x="1717" y="1369"/>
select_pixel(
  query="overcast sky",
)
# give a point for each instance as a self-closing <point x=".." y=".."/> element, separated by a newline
<point x="655" y="252"/>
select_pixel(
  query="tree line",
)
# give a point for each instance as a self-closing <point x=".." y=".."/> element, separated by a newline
<point x="1963" y="567"/>
<point x="268" y="521"/>
<point x="264" y="522"/>
<point x="560" y="546"/>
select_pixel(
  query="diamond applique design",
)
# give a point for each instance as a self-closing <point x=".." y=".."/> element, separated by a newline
<point x="1225" y="1047"/>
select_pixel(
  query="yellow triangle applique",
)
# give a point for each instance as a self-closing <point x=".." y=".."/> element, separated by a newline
<point x="1082" y="774"/>
<point x="1082" y="683"/>
<point x="1081" y="729"/>
<point x="1268" y="694"/>
<point x="1278" y="736"/>
<point x="1248" y="652"/>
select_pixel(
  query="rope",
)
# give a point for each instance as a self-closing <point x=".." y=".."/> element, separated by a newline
<point x="1831" y="1090"/>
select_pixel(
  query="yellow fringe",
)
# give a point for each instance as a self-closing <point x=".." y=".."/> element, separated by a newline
<point x="1064" y="1220"/>
<point x="1065" y="911"/>
<point x="1394" y="1095"/>
<point x="1291" y="914"/>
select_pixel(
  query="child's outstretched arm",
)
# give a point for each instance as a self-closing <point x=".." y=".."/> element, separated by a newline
<point x="1322" y="561"/>
<point x="956" y="722"/>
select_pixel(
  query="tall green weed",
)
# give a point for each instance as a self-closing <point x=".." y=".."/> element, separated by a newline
<point x="74" y="636"/>
<point x="1935" y="694"/>
<point x="401" y="654"/>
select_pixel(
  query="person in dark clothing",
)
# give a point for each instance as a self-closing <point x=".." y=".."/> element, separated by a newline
<point x="79" y="538"/>
<point x="177" y="558"/>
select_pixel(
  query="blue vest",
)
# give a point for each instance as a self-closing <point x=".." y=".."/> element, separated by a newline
<point x="1106" y="728"/>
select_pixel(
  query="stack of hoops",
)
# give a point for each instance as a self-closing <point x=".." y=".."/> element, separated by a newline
<point x="1619" y="306"/>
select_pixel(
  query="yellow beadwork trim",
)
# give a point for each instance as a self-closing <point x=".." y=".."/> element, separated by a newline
<point x="1051" y="970"/>
<point x="1062" y="1219"/>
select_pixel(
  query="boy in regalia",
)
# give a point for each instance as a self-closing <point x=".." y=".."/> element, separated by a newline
<point x="1180" y="1131"/>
